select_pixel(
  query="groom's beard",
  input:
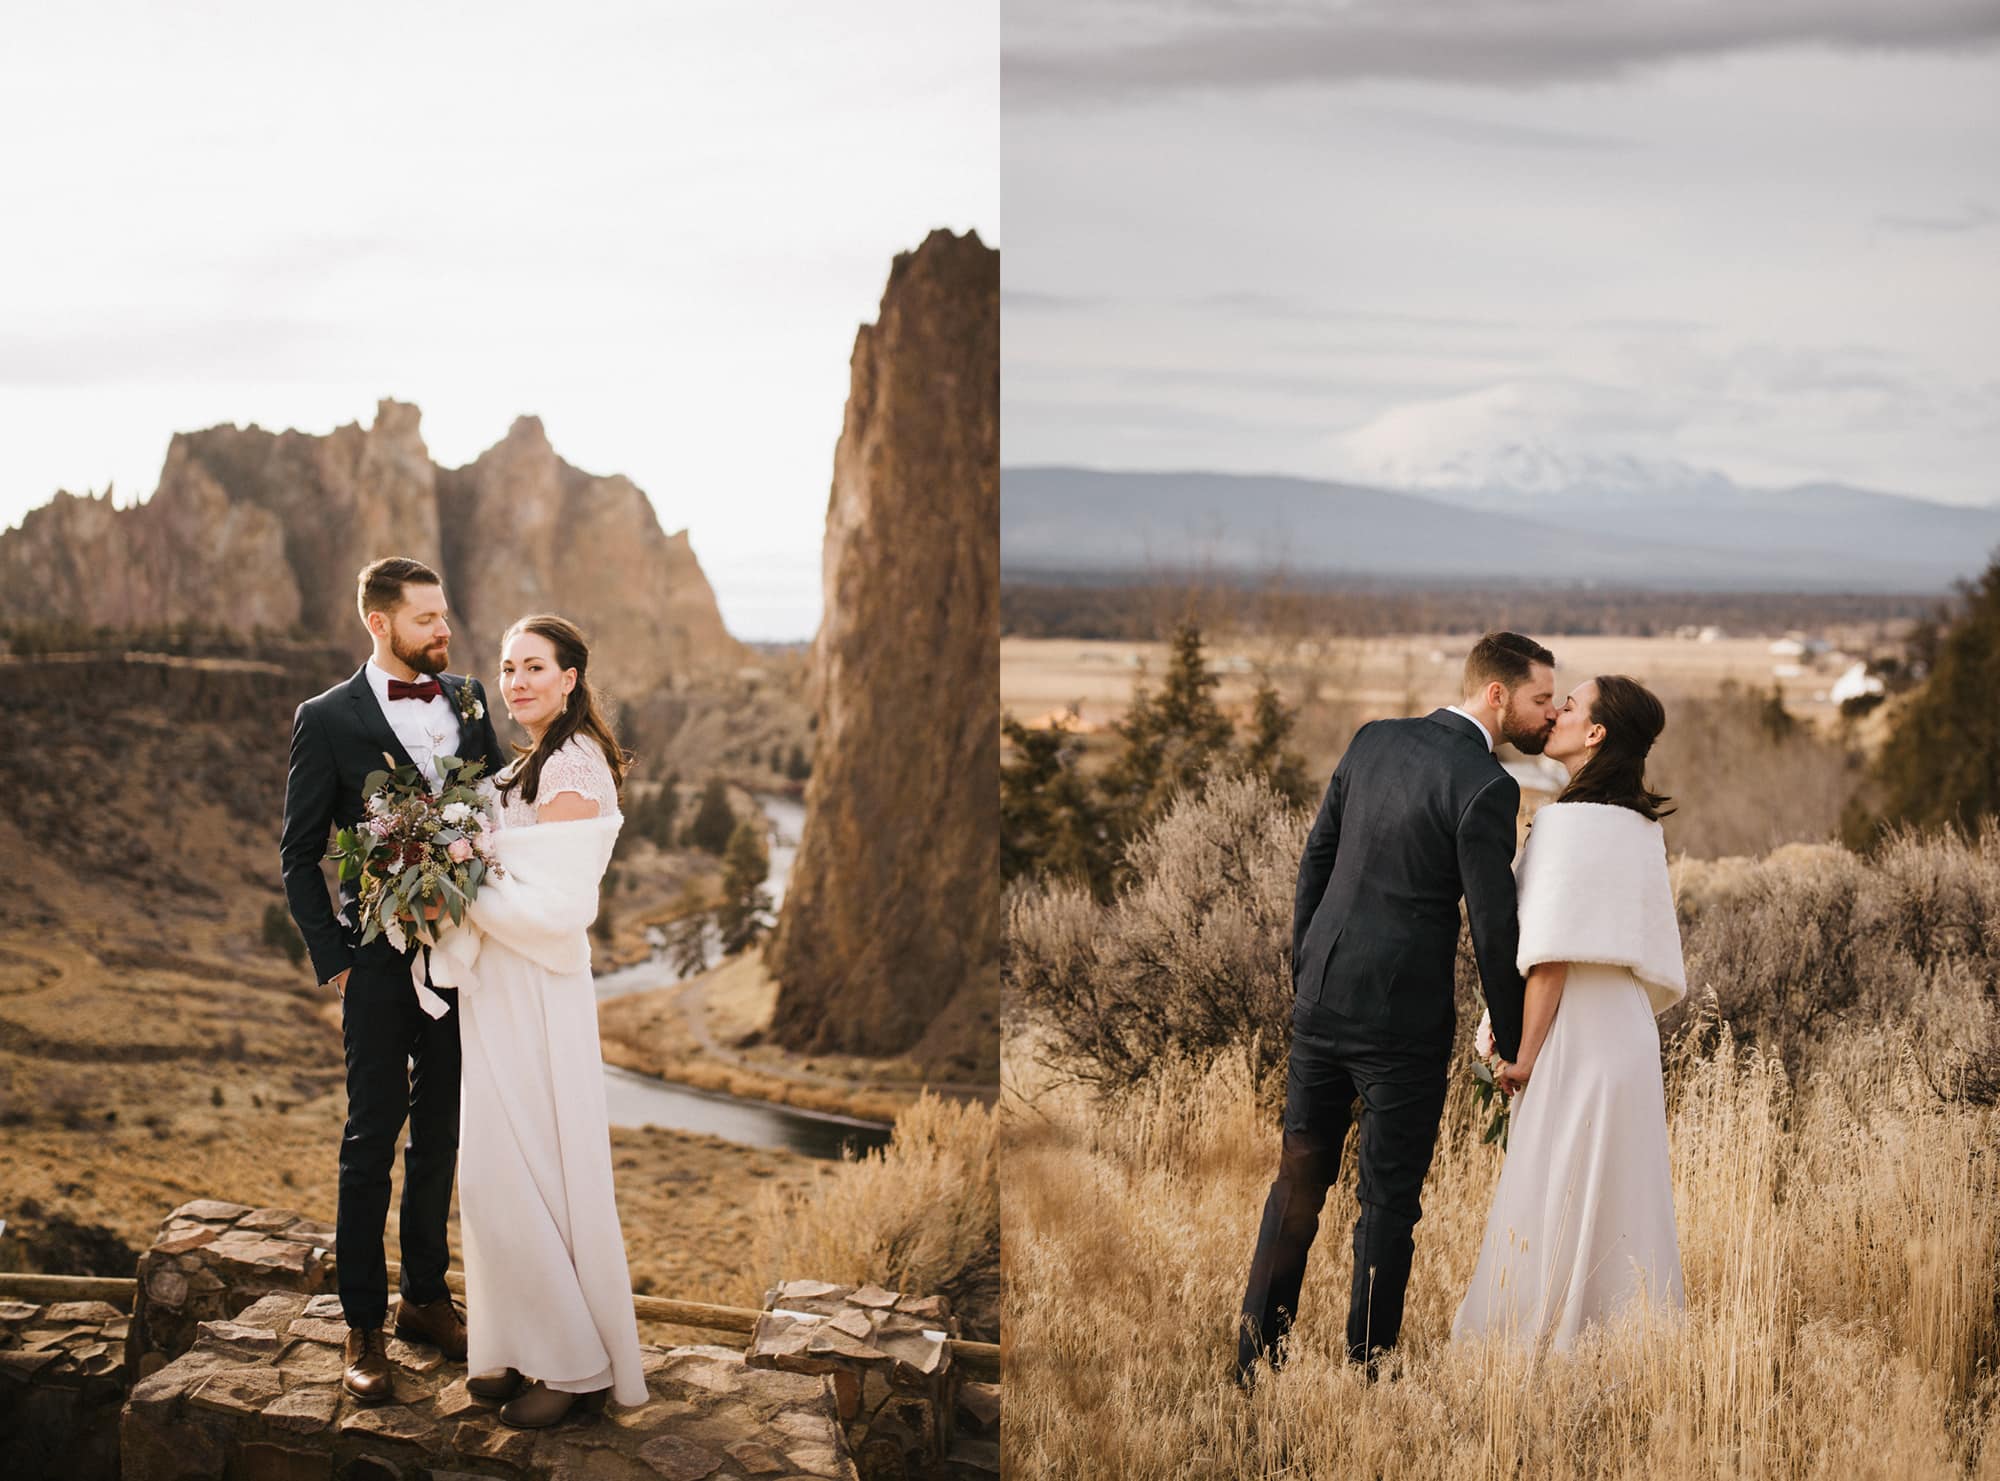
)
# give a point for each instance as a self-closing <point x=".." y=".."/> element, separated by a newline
<point x="1528" y="737"/>
<point x="431" y="660"/>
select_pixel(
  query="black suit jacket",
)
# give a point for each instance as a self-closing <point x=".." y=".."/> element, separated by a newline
<point x="1419" y="812"/>
<point x="338" y="738"/>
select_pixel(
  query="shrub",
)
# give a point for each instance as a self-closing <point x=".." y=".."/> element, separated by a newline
<point x="1193" y="957"/>
<point x="281" y="935"/>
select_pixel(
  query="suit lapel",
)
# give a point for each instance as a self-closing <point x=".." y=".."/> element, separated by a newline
<point x="471" y="736"/>
<point x="375" y="724"/>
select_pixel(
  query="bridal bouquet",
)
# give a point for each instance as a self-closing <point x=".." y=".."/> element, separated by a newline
<point x="415" y="849"/>
<point x="1483" y="1084"/>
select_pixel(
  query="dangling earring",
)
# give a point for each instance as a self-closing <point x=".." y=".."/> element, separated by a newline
<point x="565" y="705"/>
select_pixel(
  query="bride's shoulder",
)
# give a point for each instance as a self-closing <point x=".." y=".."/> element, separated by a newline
<point x="581" y="744"/>
<point x="580" y="755"/>
<point x="1591" y="825"/>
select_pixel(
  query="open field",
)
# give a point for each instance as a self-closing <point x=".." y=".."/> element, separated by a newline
<point x="1381" y="676"/>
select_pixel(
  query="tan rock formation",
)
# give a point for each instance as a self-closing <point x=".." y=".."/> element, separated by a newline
<point x="893" y="908"/>
<point x="585" y="546"/>
<point x="252" y="529"/>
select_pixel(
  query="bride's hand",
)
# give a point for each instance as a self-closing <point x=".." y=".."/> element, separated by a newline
<point x="1512" y="1076"/>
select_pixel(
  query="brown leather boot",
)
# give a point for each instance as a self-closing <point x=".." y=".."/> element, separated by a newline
<point x="436" y="1322"/>
<point x="367" y="1375"/>
<point x="495" y="1388"/>
<point x="538" y="1406"/>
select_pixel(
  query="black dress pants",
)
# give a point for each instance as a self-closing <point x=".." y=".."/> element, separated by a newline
<point x="1401" y="1086"/>
<point x="402" y="1064"/>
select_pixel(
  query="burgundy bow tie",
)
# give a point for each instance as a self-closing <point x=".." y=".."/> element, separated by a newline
<point x="422" y="689"/>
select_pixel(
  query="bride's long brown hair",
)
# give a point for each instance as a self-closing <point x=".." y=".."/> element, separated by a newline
<point x="1632" y="717"/>
<point x="581" y="716"/>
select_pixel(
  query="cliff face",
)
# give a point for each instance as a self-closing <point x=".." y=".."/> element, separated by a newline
<point x="254" y="529"/>
<point x="592" y="540"/>
<point x="893" y="909"/>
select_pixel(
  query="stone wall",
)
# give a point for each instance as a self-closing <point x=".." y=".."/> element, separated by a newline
<point x="62" y="1379"/>
<point x="209" y="1261"/>
<point x="260" y="1397"/>
<point x="230" y="1370"/>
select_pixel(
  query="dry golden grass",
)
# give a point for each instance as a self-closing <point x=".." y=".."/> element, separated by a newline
<point x="921" y="1215"/>
<point x="1839" y="1239"/>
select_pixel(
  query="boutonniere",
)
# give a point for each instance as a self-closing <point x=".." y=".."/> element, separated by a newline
<point x="469" y="705"/>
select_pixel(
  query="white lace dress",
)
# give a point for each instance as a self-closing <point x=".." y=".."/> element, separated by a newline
<point x="548" y="1290"/>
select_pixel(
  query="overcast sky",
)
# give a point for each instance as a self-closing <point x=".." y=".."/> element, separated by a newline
<point x="1386" y="239"/>
<point x="655" y="226"/>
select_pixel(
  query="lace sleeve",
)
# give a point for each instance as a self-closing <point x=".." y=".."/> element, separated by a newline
<point x="578" y="766"/>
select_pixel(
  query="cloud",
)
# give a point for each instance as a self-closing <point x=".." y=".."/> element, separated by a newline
<point x="1258" y="304"/>
<point x="1112" y="51"/>
<point x="1975" y="216"/>
<point x="1493" y="133"/>
<point x="1029" y="300"/>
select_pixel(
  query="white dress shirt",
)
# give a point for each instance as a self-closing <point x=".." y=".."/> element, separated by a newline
<point x="428" y="728"/>
<point x="1487" y="734"/>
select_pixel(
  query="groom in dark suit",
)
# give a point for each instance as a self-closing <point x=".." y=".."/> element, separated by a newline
<point x="1418" y="813"/>
<point x="402" y="1064"/>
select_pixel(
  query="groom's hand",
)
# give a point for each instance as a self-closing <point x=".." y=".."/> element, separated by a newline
<point x="339" y="981"/>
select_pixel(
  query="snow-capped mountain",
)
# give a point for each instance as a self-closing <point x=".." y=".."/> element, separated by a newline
<point x="1654" y="527"/>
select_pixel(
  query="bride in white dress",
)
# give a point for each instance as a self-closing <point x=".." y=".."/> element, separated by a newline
<point x="1582" y="1222"/>
<point x="549" y="1317"/>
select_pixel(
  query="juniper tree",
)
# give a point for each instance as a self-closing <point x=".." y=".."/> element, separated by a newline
<point x="745" y="912"/>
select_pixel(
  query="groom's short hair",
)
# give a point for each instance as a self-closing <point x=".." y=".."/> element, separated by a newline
<point x="380" y="585"/>
<point x="1506" y="657"/>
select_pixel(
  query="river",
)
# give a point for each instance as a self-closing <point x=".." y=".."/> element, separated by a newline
<point x="643" y="1100"/>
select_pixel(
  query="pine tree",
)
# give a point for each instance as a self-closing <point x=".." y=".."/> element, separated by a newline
<point x="745" y="912"/>
<point x="1050" y="819"/>
<point x="1270" y="727"/>
<point x="714" y="820"/>
<point x="1056" y="820"/>
<point x="1942" y="763"/>
<point x="687" y="935"/>
<point x="665" y="808"/>
<point x="1171" y="737"/>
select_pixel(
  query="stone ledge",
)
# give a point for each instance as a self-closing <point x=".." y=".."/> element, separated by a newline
<point x="62" y="1378"/>
<point x="889" y="1357"/>
<point x="259" y="1397"/>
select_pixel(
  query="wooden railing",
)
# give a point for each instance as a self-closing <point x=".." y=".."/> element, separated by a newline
<point x="980" y="1359"/>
